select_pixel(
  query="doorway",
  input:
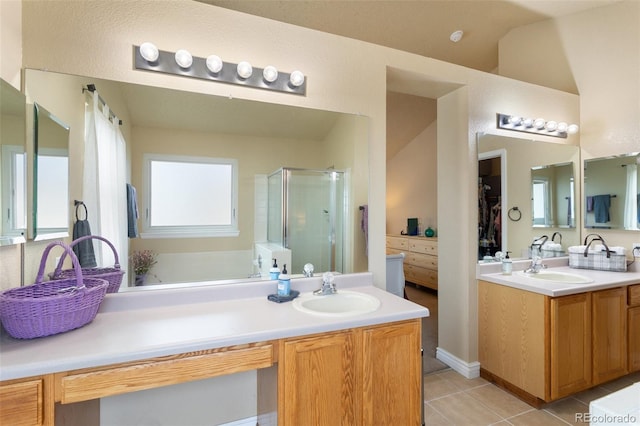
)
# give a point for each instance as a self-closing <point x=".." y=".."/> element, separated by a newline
<point x="491" y="186"/>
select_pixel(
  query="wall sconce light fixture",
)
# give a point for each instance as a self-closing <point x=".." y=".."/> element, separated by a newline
<point x="213" y="68"/>
<point x="537" y="126"/>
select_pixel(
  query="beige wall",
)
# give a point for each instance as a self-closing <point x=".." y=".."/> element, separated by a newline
<point x="343" y="75"/>
<point x="601" y="49"/>
<point x="412" y="184"/>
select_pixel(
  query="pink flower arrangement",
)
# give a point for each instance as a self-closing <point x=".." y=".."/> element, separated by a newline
<point x="143" y="261"/>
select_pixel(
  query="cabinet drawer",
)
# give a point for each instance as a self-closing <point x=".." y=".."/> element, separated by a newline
<point x="424" y="246"/>
<point x="634" y="295"/>
<point x="170" y="370"/>
<point x="398" y="243"/>
<point x="22" y="403"/>
<point x="422" y="260"/>
<point x="422" y="276"/>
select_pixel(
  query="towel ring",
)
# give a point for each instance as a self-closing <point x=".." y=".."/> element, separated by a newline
<point x="86" y="212"/>
<point x="514" y="214"/>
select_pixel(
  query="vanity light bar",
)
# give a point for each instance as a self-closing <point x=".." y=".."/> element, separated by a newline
<point x="148" y="57"/>
<point x="537" y="126"/>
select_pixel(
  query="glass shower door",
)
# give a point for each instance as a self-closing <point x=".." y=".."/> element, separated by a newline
<point x="314" y="225"/>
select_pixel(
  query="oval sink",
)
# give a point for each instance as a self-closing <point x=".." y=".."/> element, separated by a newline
<point x="341" y="304"/>
<point x="563" y="277"/>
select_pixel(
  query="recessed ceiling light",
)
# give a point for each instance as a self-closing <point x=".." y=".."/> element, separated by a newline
<point x="456" y="36"/>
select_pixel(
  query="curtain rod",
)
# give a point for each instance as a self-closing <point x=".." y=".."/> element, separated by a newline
<point x="92" y="88"/>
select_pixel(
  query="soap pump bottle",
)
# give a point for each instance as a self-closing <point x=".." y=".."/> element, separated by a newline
<point x="284" y="282"/>
<point x="274" y="272"/>
<point x="507" y="265"/>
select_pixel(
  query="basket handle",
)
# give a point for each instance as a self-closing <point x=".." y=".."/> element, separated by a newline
<point x="74" y="261"/>
<point x="87" y="237"/>
<point x="595" y="238"/>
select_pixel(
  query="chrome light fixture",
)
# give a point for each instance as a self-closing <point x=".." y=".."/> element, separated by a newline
<point x="537" y="126"/>
<point x="213" y="68"/>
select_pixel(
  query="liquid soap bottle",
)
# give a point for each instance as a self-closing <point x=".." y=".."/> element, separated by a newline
<point x="507" y="264"/>
<point x="284" y="282"/>
<point x="274" y="272"/>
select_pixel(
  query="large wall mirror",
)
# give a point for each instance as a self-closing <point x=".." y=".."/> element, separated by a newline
<point x="612" y="187"/>
<point x="51" y="176"/>
<point x="531" y="185"/>
<point x="261" y="137"/>
<point x="13" y="165"/>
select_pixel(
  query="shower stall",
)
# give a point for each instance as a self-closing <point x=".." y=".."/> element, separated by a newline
<point x="306" y="214"/>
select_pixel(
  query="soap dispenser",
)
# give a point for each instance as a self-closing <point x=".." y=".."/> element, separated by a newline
<point x="284" y="282"/>
<point x="507" y="265"/>
<point x="274" y="272"/>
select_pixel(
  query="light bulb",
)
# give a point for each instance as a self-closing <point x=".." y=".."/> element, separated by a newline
<point x="551" y="126"/>
<point x="149" y="52"/>
<point x="245" y="69"/>
<point x="270" y="74"/>
<point x="515" y="120"/>
<point x="538" y="123"/>
<point x="296" y="78"/>
<point x="573" y="129"/>
<point x="562" y="127"/>
<point x="214" y="63"/>
<point x="183" y="58"/>
<point x="527" y="122"/>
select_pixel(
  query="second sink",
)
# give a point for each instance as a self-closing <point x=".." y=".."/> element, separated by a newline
<point x="563" y="277"/>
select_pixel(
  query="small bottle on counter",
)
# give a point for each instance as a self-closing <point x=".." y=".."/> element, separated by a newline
<point x="507" y="264"/>
<point x="274" y="272"/>
<point x="284" y="282"/>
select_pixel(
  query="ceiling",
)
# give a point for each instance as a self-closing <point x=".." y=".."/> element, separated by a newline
<point x="419" y="26"/>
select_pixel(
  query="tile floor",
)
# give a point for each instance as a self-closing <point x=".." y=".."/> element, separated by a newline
<point x="451" y="399"/>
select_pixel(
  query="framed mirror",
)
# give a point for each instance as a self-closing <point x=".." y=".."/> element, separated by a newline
<point x="13" y="165"/>
<point x="508" y="171"/>
<point x="51" y="176"/>
<point x="612" y="187"/>
<point x="553" y="196"/>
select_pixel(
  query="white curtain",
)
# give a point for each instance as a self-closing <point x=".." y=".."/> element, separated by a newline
<point x="631" y="198"/>
<point x="104" y="191"/>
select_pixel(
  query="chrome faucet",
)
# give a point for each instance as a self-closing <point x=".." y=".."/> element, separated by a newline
<point x="536" y="257"/>
<point x="307" y="271"/>
<point x="328" y="285"/>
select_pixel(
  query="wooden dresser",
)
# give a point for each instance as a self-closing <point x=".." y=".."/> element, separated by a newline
<point x="421" y="258"/>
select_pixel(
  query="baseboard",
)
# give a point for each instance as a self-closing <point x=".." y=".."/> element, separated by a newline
<point x="249" y="421"/>
<point x="468" y="370"/>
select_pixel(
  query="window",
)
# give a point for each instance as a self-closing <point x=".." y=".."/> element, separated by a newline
<point x="541" y="202"/>
<point x="190" y="197"/>
<point x="14" y="190"/>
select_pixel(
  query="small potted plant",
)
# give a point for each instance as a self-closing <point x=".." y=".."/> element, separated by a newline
<point x="142" y="262"/>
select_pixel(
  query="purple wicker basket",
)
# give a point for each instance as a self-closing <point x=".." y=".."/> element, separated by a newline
<point x="52" y="307"/>
<point x="112" y="275"/>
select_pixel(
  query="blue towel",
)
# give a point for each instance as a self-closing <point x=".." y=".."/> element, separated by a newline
<point x="132" y="212"/>
<point x="84" y="249"/>
<point x="601" y="204"/>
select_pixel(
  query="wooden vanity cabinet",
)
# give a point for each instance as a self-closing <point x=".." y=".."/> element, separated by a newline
<point x="363" y="376"/>
<point x="27" y="402"/>
<point x="545" y="348"/>
<point x="633" y="325"/>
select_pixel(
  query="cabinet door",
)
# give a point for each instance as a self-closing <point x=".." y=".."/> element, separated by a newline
<point x="634" y="339"/>
<point x="318" y="380"/>
<point x="25" y="403"/>
<point x="392" y="375"/>
<point x="609" y="316"/>
<point x="570" y="332"/>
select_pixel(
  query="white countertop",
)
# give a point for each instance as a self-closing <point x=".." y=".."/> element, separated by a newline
<point x="139" y="325"/>
<point x="600" y="279"/>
